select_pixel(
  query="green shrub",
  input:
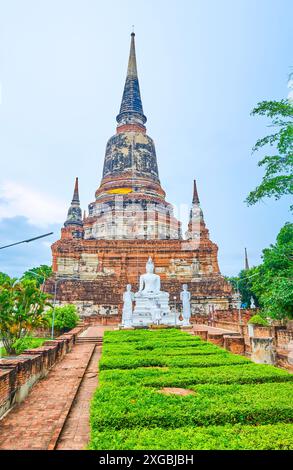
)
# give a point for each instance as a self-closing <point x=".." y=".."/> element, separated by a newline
<point x="131" y="407"/>
<point x="185" y="377"/>
<point x="65" y="317"/>
<point x="27" y="342"/>
<point x="149" y="360"/>
<point x="238" y="437"/>
<point x="138" y="352"/>
<point x="258" y="320"/>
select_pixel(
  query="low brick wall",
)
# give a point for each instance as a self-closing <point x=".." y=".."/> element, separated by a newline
<point x="19" y="374"/>
<point x="284" y="338"/>
<point x="94" y="320"/>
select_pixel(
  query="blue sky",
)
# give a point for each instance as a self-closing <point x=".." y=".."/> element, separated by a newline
<point x="203" y="65"/>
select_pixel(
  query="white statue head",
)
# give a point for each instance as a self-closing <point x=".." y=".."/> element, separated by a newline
<point x="184" y="286"/>
<point x="150" y="266"/>
<point x="128" y="287"/>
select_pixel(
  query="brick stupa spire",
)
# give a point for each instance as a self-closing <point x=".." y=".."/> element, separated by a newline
<point x="196" y="226"/>
<point x="74" y="215"/>
<point x="131" y="110"/>
<point x="131" y="172"/>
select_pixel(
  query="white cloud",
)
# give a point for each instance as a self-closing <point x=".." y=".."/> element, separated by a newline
<point x="40" y="209"/>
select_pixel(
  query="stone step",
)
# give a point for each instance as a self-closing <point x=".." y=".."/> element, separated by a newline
<point x="89" y="339"/>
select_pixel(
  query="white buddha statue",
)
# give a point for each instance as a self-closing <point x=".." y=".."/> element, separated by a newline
<point x="128" y="298"/>
<point x="185" y="299"/>
<point x="149" y="283"/>
<point x="151" y="304"/>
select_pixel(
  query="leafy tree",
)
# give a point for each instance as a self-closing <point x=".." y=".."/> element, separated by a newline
<point x="278" y="178"/>
<point x="3" y="277"/>
<point x="274" y="285"/>
<point x="39" y="274"/>
<point x="244" y="284"/>
<point x="66" y="317"/>
<point x="22" y="306"/>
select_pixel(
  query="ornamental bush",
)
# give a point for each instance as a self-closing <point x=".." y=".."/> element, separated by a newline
<point x="66" y="317"/>
<point x="258" y="320"/>
<point x="150" y="360"/>
<point x="27" y="342"/>
<point x="237" y="437"/>
<point x="185" y="377"/>
<point x="210" y="405"/>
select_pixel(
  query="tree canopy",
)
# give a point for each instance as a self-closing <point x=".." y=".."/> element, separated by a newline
<point x="273" y="286"/>
<point x="22" y="306"/>
<point x="278" y="169"/>
<point x="39" y="274"/>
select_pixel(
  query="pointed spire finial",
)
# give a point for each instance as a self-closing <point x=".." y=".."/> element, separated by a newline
<point x="195" y="198"/>
<point x="74" y="212"/>
<point x="132" y="67"/>
<point x="131" y="111"/>
<point x="246" y="263"/>
<point x="75" y="197"/>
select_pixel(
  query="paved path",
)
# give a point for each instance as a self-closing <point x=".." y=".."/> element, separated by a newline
<point x="34" y="423"/>
<point x="211" y="329"/>
<point x="76" y="432"/>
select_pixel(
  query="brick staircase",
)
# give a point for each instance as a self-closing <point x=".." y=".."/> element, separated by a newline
<point x="89" y="339"/>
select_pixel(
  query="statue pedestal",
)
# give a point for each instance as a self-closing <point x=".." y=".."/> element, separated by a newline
<point x="153" y="308"/>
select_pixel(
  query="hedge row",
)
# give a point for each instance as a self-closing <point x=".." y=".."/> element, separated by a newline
<point x="150" y="360"/>
<point x="184" y="377"/>
<point x="238" y="437"/>
<point x="131" y="407"/>
<point x="135" y="349"/>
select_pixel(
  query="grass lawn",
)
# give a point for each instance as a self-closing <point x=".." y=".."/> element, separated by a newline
<point x="233" y="403"/>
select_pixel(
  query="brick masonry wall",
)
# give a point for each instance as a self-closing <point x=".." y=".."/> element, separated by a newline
<point x="19" y="374"/>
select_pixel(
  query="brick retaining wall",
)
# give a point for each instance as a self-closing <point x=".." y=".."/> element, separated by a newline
<point x="19" y="374"/>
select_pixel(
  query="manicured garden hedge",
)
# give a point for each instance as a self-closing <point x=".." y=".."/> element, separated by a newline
<point x="235" y="404"/>
<point x="238" y="437"/>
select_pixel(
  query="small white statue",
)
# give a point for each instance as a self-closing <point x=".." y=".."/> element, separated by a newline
<point x="252" y="303"/>
<point x="149" y="282"/>
<point x="128" y="298"/>
<point x="185" y="298"/>
<point x="156" y="312"/>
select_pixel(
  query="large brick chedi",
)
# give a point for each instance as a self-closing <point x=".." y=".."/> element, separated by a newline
<point x="130" y="220"/>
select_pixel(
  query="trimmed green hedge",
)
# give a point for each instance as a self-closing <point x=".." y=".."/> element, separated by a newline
<point x="269" y="437"/>
<point x="129" y="407"/>
<point x="236" y="404"/>
<point x="149" y="360"/>
<point x="184" y="377"/>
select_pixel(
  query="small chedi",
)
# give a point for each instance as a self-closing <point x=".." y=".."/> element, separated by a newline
<point x="130" y="220"/>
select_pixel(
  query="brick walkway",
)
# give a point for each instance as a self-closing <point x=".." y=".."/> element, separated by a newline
<point x="75" y="435"/>
<point x="211" y="329"/>
<point x="37" y="421"/>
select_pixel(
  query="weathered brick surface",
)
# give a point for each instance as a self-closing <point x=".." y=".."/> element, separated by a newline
<point x="18" y="375"/>
<point x="100" y="286"/>
<point x="284" y="337"/>
<point x="216" y="338"/>
<point x="37" y="421"/>
<point x="235" y="344"/>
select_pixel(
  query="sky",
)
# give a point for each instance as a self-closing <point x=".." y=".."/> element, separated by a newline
<point x="203" y="65"/>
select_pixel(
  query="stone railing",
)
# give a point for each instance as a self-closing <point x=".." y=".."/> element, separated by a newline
<point x="19" y="373"/>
